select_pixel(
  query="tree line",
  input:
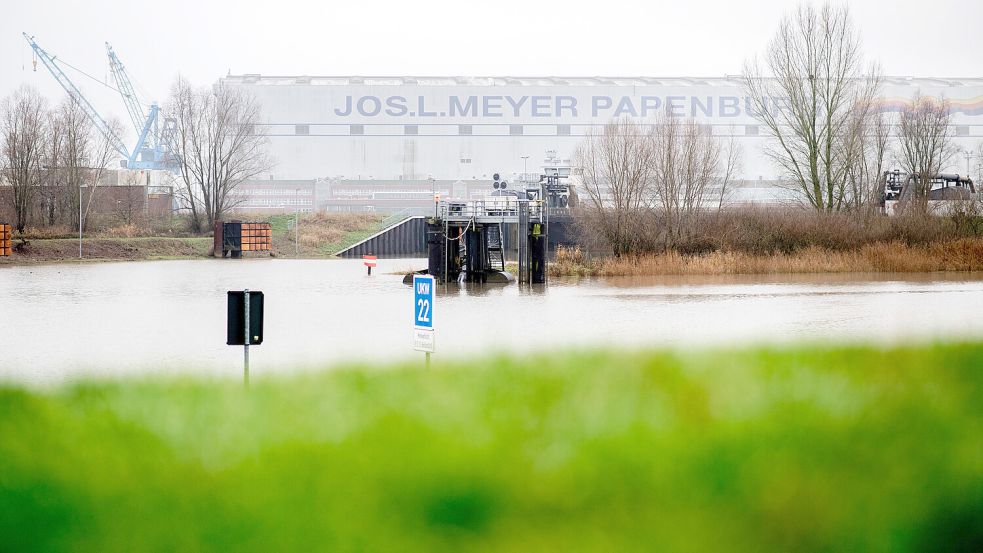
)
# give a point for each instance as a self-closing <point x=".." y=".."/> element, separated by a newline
<point x="648" y="186"/>
<point x="48" y="154"/>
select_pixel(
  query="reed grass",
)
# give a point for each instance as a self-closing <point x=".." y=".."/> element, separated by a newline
<point x="965" y="254"/>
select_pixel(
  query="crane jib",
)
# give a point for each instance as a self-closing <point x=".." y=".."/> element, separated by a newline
<point x="76" y="94"/>
<point x="152" y="146"/>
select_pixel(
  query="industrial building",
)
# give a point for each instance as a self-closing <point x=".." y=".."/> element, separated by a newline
<point x="452" y="129"/>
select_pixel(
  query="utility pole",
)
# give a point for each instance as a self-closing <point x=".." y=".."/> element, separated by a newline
<point x="297" y="225"/>
<point x="80" y="219"/>
<point x="525" y="167"/>
<point x="433" y="192"/>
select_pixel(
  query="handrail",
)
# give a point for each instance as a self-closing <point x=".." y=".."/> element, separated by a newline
<point x="496" y="208"/>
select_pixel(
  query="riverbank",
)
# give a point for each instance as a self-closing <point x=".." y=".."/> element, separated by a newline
<point x="321" y="236"/>
<point x="965" y="254"/>
<point x="795" y="449"/>
<point x="55" y="250"/>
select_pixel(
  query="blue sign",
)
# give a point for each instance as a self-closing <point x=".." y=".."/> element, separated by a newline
<point x="423" y="286"/>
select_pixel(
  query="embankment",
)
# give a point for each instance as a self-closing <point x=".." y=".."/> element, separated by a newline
<point x="109" y="249"/>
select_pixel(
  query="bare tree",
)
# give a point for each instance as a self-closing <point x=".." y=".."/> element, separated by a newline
<point x="23" y="124"/>
<point x="220" y="145"/>
<point x="868" y="139"/>
<point x="733" y="159"/>
<point x="687" y="162"/>
<point x="73" y="157"/>
<point x="51" y="182"/>
<point x="810" y="89"/>
<point x="925" y="145"/>
<point x="83" y="158"/>
<point x="616" y="168"/>
<point x="130" y="207"/>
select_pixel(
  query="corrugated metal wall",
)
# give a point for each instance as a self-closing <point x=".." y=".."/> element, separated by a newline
<point x="407" y="238"/>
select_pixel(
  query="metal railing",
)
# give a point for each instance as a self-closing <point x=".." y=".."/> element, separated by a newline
<point x="503" y="209"/>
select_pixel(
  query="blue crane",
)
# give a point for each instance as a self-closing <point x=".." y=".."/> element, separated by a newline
<point x="126" y="90"/>
<point x="153" y="144"/>
<point x="152" y="148"/>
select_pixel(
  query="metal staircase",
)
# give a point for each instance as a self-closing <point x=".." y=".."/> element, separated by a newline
<point x="496" y="253"/>
<point x="489" y="255"/>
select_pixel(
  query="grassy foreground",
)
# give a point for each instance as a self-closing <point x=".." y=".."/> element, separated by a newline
<point x="810" y="449"/>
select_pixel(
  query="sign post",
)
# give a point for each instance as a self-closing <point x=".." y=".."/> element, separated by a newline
<point x="423" y="332"/>
<point x="245" y="337"/>
<point x="244" y="326"/>
<point x="369" y="261"/>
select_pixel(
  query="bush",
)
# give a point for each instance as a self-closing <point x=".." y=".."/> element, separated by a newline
<point x="128" y="230"/>
<point x="767" y="231"/>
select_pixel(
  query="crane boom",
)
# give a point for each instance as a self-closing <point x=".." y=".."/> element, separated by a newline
<point x="126" y="91"/>
<point x="76" y="94"/>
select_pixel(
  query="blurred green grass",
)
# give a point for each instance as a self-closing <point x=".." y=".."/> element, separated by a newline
<point x="795" y="449"/>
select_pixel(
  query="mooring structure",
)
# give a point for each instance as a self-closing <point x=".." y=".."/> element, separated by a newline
<point x="466" y="239"/>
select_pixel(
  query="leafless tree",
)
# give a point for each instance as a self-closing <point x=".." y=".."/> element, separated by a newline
<point x="616" y="171"/>
<point x="220" y="145"/>
<point x="687" y="162"/>
<point x="83" y="160"/>
<point x="616" y="167"/>
<point x="811" y="86"/>
<point x="868" y="139"/>
<point x="129" y="206"/>
<point x="925" y="145"/>
<point x="52" y="179"/>
<point x="733" y="162"/>
<point x="23" y="124"/>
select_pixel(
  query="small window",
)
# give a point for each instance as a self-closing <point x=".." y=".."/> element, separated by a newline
<point x="411" y="130"/>
<point x="302" y="130"/>
<point x="464" y="130"/>
<point x="515" y="130"/>
<point x="563" y="130"/>
<point x="465" y="160"/>
<point x="356" y="129"/>
<point x="750" y="130"/>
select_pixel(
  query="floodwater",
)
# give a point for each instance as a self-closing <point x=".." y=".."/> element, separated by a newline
<point x="60" y="322"/>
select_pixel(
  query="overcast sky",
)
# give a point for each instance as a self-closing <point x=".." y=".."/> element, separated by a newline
<point x="204" y="39"/>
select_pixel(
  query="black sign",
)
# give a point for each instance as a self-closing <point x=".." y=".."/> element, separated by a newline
<point x="236" y="320"/>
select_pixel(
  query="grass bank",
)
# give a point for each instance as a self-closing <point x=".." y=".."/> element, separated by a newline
<point x="321" y="235"/>
<point x="109" y="249"/>
<point x="965" y="254"/>
<point x="846" y="449"/>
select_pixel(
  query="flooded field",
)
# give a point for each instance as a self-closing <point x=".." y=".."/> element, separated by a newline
<point x="112" y="319"/>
